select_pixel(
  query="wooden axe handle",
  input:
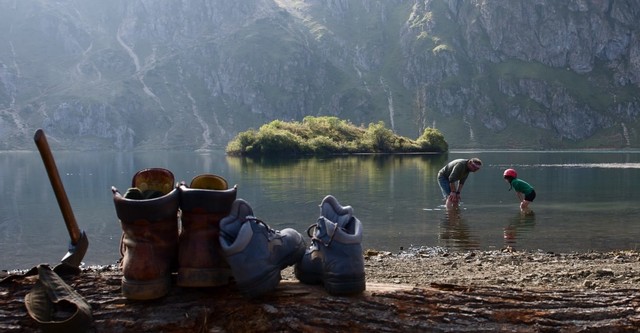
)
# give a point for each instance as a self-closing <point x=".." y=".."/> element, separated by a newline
<point x="58" y="188"/>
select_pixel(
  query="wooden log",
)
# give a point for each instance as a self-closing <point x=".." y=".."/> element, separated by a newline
<point x="300" y="308"/>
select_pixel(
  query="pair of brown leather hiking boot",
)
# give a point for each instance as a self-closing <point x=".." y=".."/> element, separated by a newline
<point x="169" y="228"/>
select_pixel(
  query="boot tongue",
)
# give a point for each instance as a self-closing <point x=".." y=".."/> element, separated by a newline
<point x="230" y="230"/>
<point x="326" y="229"/>
<point x="334" y="212"/>
<point x="241" y="212"/>
<point x="134" y="193"/>
<point x="340" y="220"/>
<point x="153" y="179"/>
<point x="209" y="182"/>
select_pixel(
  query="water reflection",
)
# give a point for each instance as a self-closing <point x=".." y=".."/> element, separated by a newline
<point x="518" y="227"/>
<point x="397" y="198"/>
<point x="455" y="231"/>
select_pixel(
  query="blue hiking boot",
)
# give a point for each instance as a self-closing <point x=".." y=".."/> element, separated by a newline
<point x="334" y="257"/>
<point x="309" y="269"/>
<point x="256" y="253"/>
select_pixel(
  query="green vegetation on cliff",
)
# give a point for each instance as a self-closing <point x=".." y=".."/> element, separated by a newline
<point x="330" y="135"/>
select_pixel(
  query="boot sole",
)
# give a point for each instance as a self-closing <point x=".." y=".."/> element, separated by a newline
<point x="198" y="277"/>
<point x="345" y="285"/>
<point x="264" y="284"/>
<point x="307" y="277"/>
<point x="145" y="290"/>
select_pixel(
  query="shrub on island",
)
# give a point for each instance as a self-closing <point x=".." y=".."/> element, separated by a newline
<point x="330" y="136"/>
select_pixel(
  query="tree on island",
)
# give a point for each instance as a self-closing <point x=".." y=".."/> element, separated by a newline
<point x="330" y="136"/>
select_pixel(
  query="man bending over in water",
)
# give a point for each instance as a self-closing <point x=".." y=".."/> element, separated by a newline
<point x="452" y="177"/>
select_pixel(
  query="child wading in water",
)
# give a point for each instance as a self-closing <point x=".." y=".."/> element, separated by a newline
<point x="525" y="192"/>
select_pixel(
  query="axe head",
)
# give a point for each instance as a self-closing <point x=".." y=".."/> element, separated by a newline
<point x="76" y="251"/>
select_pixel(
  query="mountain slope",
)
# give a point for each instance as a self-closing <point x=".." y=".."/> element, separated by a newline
<point x="178" y="74"/>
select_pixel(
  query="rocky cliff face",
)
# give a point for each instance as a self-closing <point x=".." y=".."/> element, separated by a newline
<point x="181" y="74"/>
<point x="553" y="73"/>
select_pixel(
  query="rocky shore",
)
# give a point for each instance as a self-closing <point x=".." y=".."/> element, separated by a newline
<point x="506" y="268"/>
<point x="421" y="289"/>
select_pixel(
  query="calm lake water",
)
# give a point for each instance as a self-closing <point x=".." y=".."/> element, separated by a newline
<point x="586" y="200"/>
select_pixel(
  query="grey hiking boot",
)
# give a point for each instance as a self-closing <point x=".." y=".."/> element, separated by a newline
<point x="309" y="269"/>
<point x="334" y="257"/>
<point x="256" y="253"/>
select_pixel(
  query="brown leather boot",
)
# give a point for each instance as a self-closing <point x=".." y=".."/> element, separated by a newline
<point x="148" y="215"/>
<point x="203" y="204"/>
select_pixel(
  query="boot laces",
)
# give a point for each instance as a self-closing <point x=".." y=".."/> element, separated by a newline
<point x="315" y="228"/>
<point x="270" y="231"/>
<point x="122" y="249"/>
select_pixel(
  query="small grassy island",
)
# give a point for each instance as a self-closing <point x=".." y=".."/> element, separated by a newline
<point x="330" y="136"/>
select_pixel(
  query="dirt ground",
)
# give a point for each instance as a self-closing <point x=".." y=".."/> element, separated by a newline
<point x="417" y="290"/>
<point x="503" y="268"/>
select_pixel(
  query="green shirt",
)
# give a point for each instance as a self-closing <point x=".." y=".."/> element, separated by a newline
<point x="455" y="170"/>
<point x="521" y="186"/>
